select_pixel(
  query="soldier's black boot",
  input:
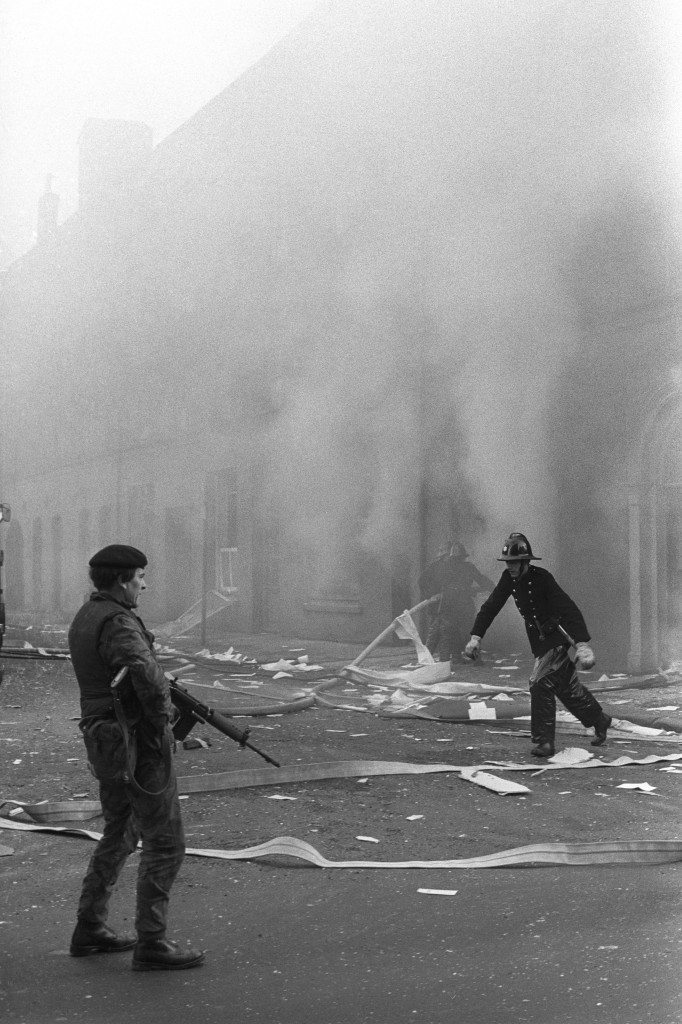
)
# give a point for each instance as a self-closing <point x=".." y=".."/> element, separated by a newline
<point x="545" y="748"/>
<point x="89" y="939"/>
<point x="600" y="729"/>
<point x="163" y="955"/>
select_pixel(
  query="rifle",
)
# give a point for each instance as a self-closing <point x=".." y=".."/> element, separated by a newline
<point x="191" y="712"/>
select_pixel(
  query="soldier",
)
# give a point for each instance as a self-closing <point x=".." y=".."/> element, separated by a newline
<point x="544" y="607"/>
<point x="105" y="636"/>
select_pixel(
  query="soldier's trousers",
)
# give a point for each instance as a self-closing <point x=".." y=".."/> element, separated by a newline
<point x="128" y="817"/>
<point x="554" y="675"/>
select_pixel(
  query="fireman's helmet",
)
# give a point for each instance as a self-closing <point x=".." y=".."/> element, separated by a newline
<point x="517" y="548"/>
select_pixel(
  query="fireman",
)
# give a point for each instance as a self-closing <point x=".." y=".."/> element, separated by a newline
<point x="544" y="607"/>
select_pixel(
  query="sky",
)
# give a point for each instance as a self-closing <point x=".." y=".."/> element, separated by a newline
<point x="156" y="61"/>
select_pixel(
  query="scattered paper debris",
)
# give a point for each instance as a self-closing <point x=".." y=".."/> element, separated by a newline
<point x="367" y="839"/>
<point x="230" y="655"/>
<point x="277" y="666"/>
<point x="480" y="711"/>
<point x="502" y="786"/>
<point x="414" y="817"/>
<point x="666" y="707"/>
<point x="571" y="755"/>
<point x="439" y="892"/>
<point x="291" y="666"/>
<point x="195" y="743"/>
<point x="638" y="730"/>
<point x="643" y="786"/>
<point x="278" y="796"/>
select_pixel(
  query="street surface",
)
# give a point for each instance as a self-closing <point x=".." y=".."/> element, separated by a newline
<point x="288" y="943"/>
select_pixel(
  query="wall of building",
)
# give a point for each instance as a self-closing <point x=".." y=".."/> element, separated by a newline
<point x="406" y="276"/>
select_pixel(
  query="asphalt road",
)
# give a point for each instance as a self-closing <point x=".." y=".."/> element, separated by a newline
<point x="297" y="945"/>
<point x="290" y="944"/>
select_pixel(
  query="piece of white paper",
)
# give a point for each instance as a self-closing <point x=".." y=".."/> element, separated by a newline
<point x="439" y="892"/>
<point x="480" y="711"/>
<point x="502" y="786"/>
<point x="571" y="755"/>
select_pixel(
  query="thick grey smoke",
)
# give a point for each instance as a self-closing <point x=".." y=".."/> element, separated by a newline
<point x="417" y="258"/>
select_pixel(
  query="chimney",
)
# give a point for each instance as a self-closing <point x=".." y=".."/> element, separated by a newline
<point x="112" y="155"/>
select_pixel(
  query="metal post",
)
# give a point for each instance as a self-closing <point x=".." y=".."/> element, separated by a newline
<point x="204" y="570"/>
<point x="5" y="516"/>
<point x="635" y="655"/>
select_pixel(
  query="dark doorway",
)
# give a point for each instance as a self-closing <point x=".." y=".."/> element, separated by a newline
<point x="266" y="575"/>
<point x="177" y="562"/>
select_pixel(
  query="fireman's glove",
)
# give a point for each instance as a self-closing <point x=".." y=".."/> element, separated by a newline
<point x="473" y="648"/>
<point x="585" y="654"/>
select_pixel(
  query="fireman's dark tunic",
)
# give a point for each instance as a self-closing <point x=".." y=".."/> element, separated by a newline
<point x="540" y="599"/>
<point x="105" y="636"/>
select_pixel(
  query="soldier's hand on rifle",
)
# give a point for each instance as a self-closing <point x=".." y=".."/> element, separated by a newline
<point x="473" y="648"/>
<point x="585" y="654"/>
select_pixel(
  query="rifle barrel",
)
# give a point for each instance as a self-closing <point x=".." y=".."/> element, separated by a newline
<point x="203" y="713"/>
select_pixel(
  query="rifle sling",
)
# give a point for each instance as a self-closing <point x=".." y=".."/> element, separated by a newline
<point x="130" y="742"/>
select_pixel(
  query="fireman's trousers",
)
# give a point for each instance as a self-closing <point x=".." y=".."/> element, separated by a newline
<point x="554" y="675"/>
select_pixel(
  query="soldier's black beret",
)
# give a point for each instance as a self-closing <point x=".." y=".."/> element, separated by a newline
<point x="119" y="556"/>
